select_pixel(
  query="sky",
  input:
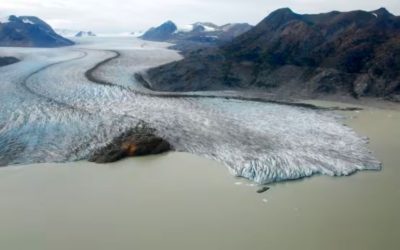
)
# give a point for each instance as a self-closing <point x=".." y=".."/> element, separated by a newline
<point x="112" y="16"/>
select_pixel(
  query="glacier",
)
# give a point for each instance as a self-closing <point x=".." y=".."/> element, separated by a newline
<point x="51" y="112"/>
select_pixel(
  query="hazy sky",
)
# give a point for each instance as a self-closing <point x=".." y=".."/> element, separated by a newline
<point x="134" y="15"/>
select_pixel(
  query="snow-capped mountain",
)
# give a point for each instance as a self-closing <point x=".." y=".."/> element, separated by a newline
<point x="4" y="19"/>
<point x="161" y="33"/>
<point x="200" y="32"/>
<point x="346" y="54"/>
<point x="198" y="27"/>
<point x="29" y="31"/>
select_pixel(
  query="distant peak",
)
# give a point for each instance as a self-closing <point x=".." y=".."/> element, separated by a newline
<point x="169" y="22"/>
<point x="382" y="12"/>
<point x="206" y="24"/>
<point x="169" y="25"/>
<point x="281" y="16"/>
<point x="283" y="11"/>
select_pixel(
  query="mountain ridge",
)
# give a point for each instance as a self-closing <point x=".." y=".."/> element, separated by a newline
<point x="29" y="31"/>
<point x="355" y="53"/>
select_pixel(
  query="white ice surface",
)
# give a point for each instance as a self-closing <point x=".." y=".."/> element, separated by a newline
<point x="51" y="112"/>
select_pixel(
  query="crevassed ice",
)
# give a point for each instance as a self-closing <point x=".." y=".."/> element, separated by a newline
<point x="51" y="112"/>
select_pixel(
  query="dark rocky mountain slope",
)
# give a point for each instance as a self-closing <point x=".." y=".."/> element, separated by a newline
<point x="29" y="31"/>
<point x="353" y="53"/>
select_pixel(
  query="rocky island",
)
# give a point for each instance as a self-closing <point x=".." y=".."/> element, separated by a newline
<point x="138" y="141"/>
<point x="197" y="35"/>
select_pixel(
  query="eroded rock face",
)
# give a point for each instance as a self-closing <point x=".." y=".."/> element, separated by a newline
<point x="138" y="141"/>
<point x="85" y="34"/>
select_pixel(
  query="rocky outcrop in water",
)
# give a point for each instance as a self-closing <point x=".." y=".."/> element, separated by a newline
<point x="138" y="141"/>
<point x="354" y="53"/>
<point x="29" y="31"/>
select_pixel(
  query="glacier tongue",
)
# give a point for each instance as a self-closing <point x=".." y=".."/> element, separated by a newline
<point x="51" y="112"/>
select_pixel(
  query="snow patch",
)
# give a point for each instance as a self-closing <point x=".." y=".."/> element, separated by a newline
<point x="85" y="34"/>
<point x="5" y="19"/>
<point x="26" y="20"/>
<point x="185" y="28"/>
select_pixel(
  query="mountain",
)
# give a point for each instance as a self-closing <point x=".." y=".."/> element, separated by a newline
<point x="354" y="53"/>
<point x="85" y="34"/>
<point x="136" y="33"/>
<point x="161" y="33"/>
<point x="197" y="35"/>
<point x="29" y="31"/>
<point x="198" y="27"/>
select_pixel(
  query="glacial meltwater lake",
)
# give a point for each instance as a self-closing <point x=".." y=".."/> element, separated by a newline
<point x="181" y="201"/>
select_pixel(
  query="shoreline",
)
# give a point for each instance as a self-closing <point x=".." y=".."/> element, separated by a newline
<point x="364" y="102"/>
<point x="164" y="201"/>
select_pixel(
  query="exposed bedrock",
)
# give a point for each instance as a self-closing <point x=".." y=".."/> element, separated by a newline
<point x="138" y="141"/>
